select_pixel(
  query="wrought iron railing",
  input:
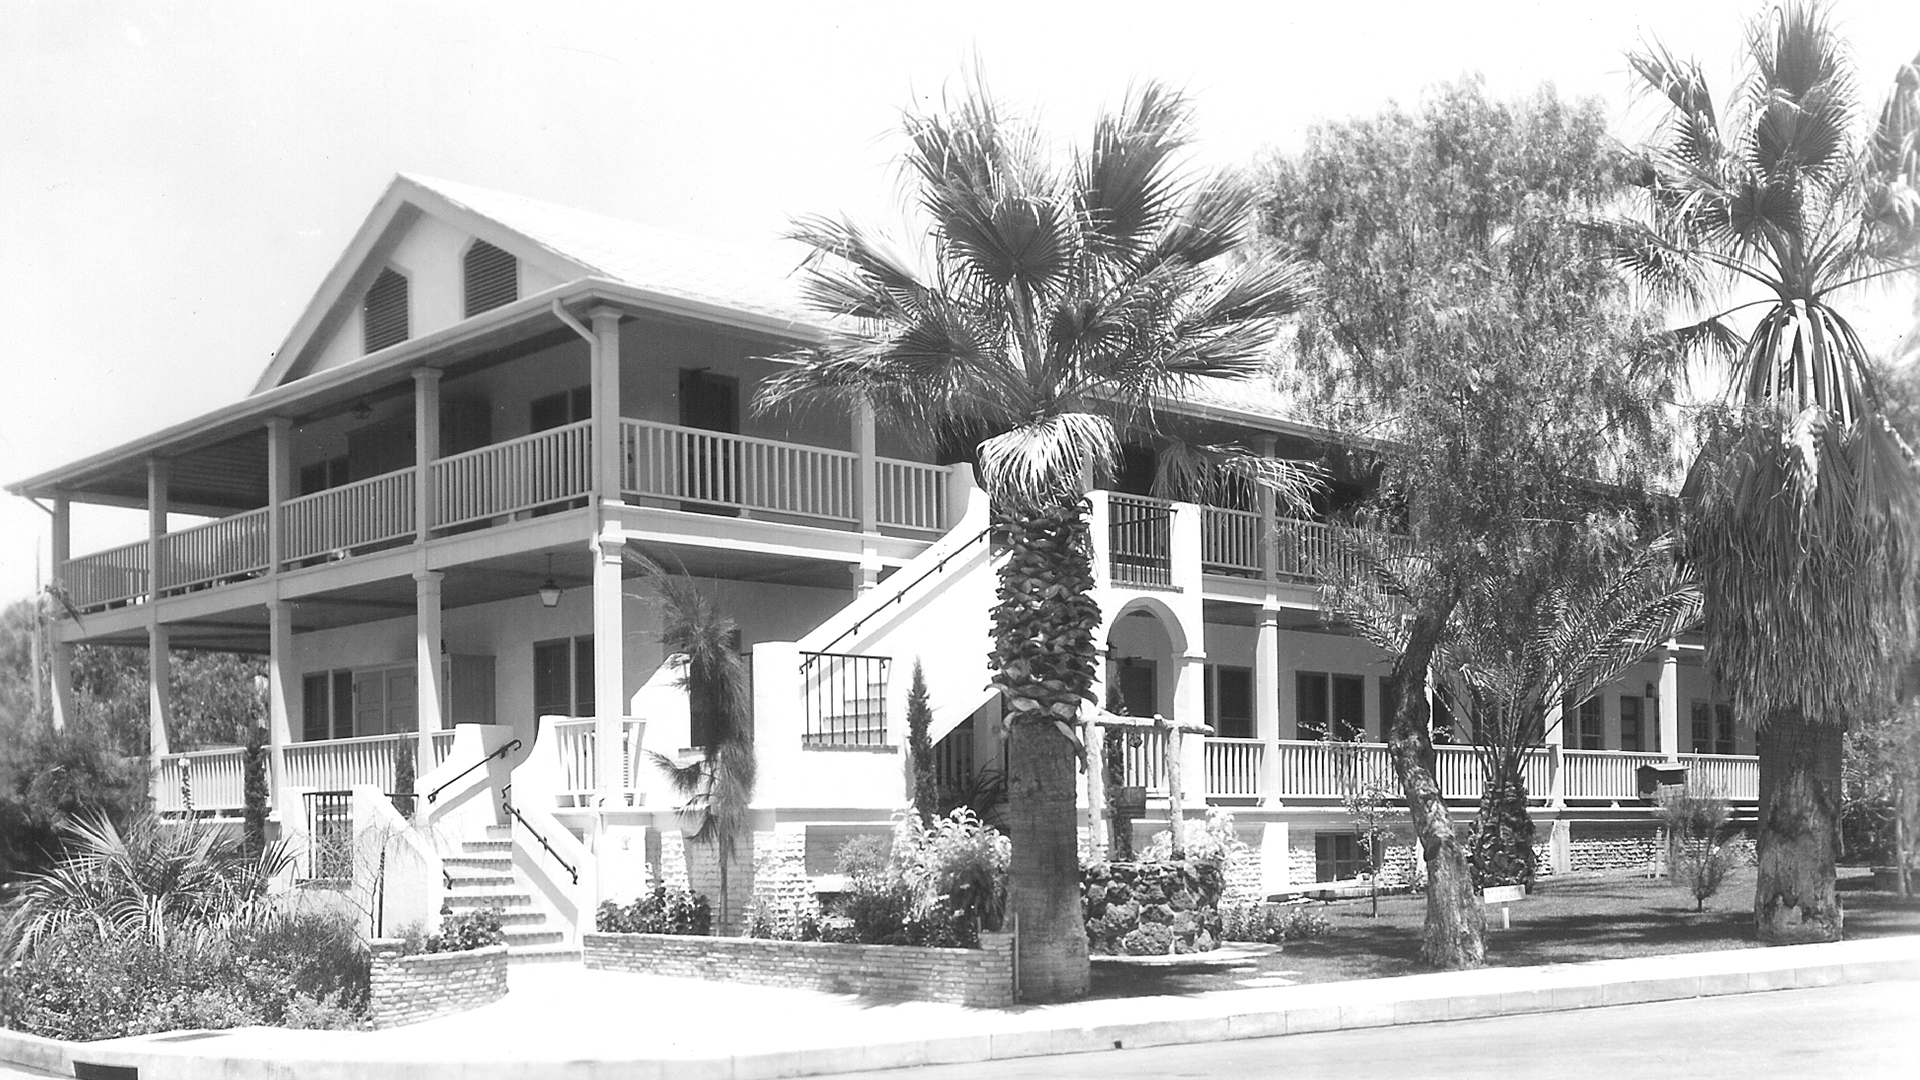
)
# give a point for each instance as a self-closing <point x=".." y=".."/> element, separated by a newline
<point x="330" y="835"/>
<point x="845" y="698"/>
<point x="506" y="804"/>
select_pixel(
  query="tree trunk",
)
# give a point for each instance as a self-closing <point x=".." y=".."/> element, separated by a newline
<point x="1456" y="926"/>
<point x="1043" y="657"/>
<point x="1799" y="837"/>
<point x="1503" y="833"/>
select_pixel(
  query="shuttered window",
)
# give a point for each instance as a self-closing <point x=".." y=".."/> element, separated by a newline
<point x="386" y="311"/>
<point x="492" y="276"/>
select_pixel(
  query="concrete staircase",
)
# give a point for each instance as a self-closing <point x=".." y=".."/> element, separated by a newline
<point x="483" y="876"/>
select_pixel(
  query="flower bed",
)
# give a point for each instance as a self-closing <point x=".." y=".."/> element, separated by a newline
<point x="982" y="976"/>
<point x="408" y="987"/>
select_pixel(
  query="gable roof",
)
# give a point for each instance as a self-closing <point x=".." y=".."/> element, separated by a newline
<point x="757" y="281"/>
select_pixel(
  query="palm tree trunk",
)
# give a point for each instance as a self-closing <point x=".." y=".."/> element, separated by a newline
<point x="1799" y="837"/>
<point x="1456" y="926"/>
<point x="1043" y="656"/>
<point x="1503" y="834"/>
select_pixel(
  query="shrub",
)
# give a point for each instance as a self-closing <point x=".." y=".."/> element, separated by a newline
<point x="662" y="911"/>
<point x="789" y="922"/>
<point x="956" y="864"/>
<point x="1271" y="924"/>
<point x="49" y="777"/>
<point x="470" y="930"/>
<point x="1696" y="857"/>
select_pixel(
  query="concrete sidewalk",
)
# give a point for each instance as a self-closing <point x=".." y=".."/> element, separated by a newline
<point x="562" y="1021"/>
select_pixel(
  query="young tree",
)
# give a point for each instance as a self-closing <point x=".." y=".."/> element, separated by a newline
<point x="1054" y="303"/>
<point x="1468" y="320"/>
<point x="926" y="784"/>
<point x="1802" y="509"/>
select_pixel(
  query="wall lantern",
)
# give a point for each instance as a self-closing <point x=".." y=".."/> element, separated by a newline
<point x="549" y="590"/>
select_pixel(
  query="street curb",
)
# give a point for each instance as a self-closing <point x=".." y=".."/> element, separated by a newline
<point x="1338" y="1007"/>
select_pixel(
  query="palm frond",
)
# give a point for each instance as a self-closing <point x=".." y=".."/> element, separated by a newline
<point x="1125" y="181"/>
<point x="1036" y="462"/>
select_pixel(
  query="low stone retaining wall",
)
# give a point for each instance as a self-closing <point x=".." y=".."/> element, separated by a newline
<point x="1152" y="908"/>
<point x="982" y="976"/>
<point x="407" y="989"/>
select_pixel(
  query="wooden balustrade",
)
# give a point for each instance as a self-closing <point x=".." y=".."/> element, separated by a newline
<point x="546" y="468"/>
<point x="1604" y="774"/>
<point x="1146" y="763"/>
<point x="216" y="551"/>
<point x="1232" y="542"/>
<point x="1233" y="767"/>
<point x="339" y="764"/>
<point x="1727" y="776"/>
<point x="719" y="469"/>
<point x="336" y="521"/>
<point x="1140" y="541"/>
<point x="578" y="748"/>
<point x="104" y="578"/>
<point x="215" y="778"/>
<point x="911" y="495"/>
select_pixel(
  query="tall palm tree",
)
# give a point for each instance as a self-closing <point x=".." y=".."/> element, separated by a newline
<point x="1054" y="304"/>
<point x="1803" y="513"/>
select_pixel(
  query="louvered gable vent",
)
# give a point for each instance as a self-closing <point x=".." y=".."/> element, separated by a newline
<point x="493" y="278"/>
<point x="386" y="311"/>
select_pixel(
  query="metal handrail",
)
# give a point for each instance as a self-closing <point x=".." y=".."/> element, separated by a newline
<point x="508" y="806"/>
<point x="501" y="753"/>
<point x="896" y="597"/>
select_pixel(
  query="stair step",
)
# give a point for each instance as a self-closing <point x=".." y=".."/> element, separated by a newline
<point x="489" y="897"/>
<point x="481" y="880"/>
<point x="543" y="954"/>
<point x="528" y="938"/>
<point x="484" y="847"/>
<point x="487" y="861"/>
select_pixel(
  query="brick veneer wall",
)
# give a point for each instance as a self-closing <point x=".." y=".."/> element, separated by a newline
<point x="409" y="989"/>
<point x="982" y="976"/>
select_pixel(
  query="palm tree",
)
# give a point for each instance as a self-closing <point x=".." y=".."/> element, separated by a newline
<point x="718" y="787"/>
<point x="1054" y="306"/>
<point x="1588" y="626"/>
<point x="1802" y="511"/>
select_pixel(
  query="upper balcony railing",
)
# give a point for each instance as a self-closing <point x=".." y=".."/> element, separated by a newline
<point x="1233" y="543"/>
<point x="546" y="470"/>
<point x="1140" y="541"/>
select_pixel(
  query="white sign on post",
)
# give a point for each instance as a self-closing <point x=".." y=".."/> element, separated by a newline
<point x="1504" y="895"/>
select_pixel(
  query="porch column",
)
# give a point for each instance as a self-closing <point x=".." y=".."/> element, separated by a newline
<point x="279" y="487"/>
<point x="605" y="389"/>
<point x="281" y="701"/>
<point x="866" y="496"/>
<point x="429" y="674"/>
<point x="1269" y="519"/>
<point x="1190" y="708"/>
<point x="1266" y="701"/>
<point x="426" y="447"/>
<point x="1669" y="718"/>
<point x="1556" y="740"/>
<point x="60" y="655"/>
<point x="609" y="664"/>
<point x="159" y="692"/>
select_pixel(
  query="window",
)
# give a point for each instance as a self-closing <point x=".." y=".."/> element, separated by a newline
<point x="1336" y="857"/>
<point x="492" y="277"/>
<point x="1630" y="723"/>
<point x="1136" y="685"/>
<point x="326" y="706"/>
<point x="1593" y="733"/>
<point x="1712" y="727"/>
<point x="322" y="475"/>
<point x="1442" y="723"/>
<point x="559" y="410"/>
<point x="1389" y="704"/>
<point x="1321" y="700"/>
<point x="1230" y="701"/>
<point x="386" y="311"/>
<point x="563" y="677"/>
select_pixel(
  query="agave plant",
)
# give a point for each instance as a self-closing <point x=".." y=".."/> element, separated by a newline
<point x="154" y="879"/>
<point x="1803" y="510"/>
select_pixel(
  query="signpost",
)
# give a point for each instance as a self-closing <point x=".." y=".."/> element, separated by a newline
<point x="1504" y="895"/>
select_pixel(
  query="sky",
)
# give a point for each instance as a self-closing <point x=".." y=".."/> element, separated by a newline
<point x="176" y="178"/>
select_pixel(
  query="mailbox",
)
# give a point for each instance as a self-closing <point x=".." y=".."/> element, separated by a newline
<point x="1130" y="801"/>
<point x="1660" y="775"/>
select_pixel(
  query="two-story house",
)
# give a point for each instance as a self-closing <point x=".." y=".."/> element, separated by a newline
<point x="420" y="517"/>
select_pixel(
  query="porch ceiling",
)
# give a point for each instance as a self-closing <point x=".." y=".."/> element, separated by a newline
<point x="738" y="565"/>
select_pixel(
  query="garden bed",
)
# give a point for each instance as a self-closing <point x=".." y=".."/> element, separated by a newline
<point x="408" y="987"/>
<point x="982" y="977"/>
<point x="1567" y="920"/>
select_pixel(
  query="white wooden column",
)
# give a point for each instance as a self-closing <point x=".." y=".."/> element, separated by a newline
<point x="60" y="655"/>
<point x="282" y="703"/>
<point x="279" y="488"/>
<point x="1269" y="521"/>
<point x="866" y="490"/>
<point x="426" y="447"/>
<point x="1669" y="719"/>
<point x="429" y="673"/>
<point x="1190" y="711"/>
<point x="1556" y="740"/>
<point x="159" y="692"/>
<point x="605" y="389"/>
<point x="1266" y="702"/>
<point x="609" y="663"/>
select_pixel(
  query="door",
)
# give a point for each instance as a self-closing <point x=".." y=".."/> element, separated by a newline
<point x="710" y="468"/>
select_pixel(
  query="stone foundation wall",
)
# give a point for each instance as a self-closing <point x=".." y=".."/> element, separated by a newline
<point x="1151" y="909"/>
<point x="1611" y="845"/>
<point x="780" y="870"/>
<point x="981" y="977"/>
<point x="409" y="989"/>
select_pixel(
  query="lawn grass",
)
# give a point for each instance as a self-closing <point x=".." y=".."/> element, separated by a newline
<point x="1566" y="920"/>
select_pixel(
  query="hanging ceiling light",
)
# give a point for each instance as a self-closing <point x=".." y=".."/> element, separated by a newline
<point x="549" y="590"/>
<point x="362" y="410"/>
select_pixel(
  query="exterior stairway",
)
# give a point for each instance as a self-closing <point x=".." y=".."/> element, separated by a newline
<point x="483" y="876"/>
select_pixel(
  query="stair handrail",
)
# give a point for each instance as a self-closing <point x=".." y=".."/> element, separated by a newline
<point x="502" y="752"/>
<point x="936" y="568"/>
<point x="508" y="806"/>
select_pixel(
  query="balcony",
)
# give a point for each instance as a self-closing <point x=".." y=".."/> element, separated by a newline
<point x="661" y="465"/>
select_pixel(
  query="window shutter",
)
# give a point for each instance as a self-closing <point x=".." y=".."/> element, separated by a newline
<point x="386" y="311"/>
<point x="492" y="277"/>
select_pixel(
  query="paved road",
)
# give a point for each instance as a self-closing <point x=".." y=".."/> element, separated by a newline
<point x="1852" y="1032"/>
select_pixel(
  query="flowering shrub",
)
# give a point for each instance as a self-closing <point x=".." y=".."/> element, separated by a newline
<point x="1273" y="924"/>
<point x="662" y="911"/>
<point x="472" y="930"/>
